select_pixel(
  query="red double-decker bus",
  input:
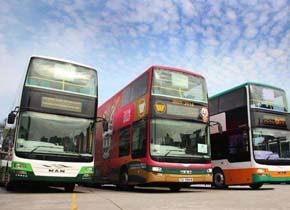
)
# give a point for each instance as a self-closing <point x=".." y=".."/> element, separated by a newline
<point x="158" y="132"/>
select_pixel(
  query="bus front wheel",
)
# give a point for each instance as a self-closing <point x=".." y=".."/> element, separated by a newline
<point x="123" y="183"/>
<point x="175" y="188"/>
<point x="9" y="185"/>
<point x="256" y="186"/>
<point x="219" y="179"/>
<point x="69" y="187"/>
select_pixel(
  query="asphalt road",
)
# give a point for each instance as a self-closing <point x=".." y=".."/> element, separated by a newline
<point x="269" y="197"/>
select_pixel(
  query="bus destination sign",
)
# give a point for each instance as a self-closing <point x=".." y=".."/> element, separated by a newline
<point x="61" y="104"/>
<point x="273" y="122"/>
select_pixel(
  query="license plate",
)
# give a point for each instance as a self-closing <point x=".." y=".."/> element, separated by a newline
<point x="185" y="180"/>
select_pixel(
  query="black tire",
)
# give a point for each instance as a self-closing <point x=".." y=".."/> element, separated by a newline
<point x="175" y="188"/>
<point x="97" y="185"/>
<point x="256" y="186"/>
<point x="10" y="186"/>
<point x="69" y="187"/>
<point x="123" y="183"/>
<point x="219" y="179"/>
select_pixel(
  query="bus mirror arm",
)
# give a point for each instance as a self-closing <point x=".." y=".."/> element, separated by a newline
<point x="105" y="123"/>
<point x="12" y="115"/>
<point x="220" y="127"/>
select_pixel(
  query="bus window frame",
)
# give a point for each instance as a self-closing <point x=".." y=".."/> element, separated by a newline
<point x="128" y="130"/>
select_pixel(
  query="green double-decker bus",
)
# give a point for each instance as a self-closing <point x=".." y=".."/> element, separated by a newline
<point x="49" y="134"/>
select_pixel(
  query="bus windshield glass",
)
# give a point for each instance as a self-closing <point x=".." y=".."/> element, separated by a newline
<point x="49" y="134"/>
<point x="268" y="98"/>
<point x="65" y="77"/>
<point x="170" y="138"/>
<point x="179" y="85"/>
<point x="270" y="144"/>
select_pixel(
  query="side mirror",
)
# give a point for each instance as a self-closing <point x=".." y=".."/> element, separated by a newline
<point x="105" y="125"/>
<point x="11" y="118"/>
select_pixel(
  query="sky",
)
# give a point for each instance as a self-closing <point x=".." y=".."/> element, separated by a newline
<point x="229" y="42"/>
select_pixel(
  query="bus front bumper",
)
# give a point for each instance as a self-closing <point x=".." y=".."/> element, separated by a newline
<point x="182" y="176"/>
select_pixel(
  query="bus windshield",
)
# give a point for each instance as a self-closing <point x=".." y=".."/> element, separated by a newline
<point x="179" y="85"/>
<point x="66" y="77"/>
<point x="268" y="98"/>
<point x="52" y="134"/>
<point x="270" y="144"/>
<point x="171" y="138"/>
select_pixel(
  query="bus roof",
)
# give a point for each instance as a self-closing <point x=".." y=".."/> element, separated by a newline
<point x="243" y="85"/>
<point x="150" y="69"/>
<point x="176" y="69"/>
<point x="62" y="60"/>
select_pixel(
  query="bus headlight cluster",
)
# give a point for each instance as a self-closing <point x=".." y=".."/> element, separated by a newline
<point x="261" y="171"/>
<point x="90" y="170"/>
<point x="156" y="169"/>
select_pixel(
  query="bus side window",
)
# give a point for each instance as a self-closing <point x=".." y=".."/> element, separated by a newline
<point x="139" y="139"/>
<point x="238" y="147"/>
<point x="124" y="142"/>
<point x="219" y="146"/>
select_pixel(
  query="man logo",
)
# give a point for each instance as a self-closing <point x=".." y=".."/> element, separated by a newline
<point x="56" y="168"/>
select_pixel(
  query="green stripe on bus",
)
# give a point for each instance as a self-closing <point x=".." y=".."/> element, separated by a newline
<point x="268" y="178"/>
<point x="244" y="85"/>
<point x="165" y="170"/>
<point x="179" y="170"/>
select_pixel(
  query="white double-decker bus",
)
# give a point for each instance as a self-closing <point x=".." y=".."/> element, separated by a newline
<point x="254" y="145"/>
<point x="49" y="134"/>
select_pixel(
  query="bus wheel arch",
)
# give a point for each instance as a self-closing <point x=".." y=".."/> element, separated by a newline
<point x="219" y="178"/>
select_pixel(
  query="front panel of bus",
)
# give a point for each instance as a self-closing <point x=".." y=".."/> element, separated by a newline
<point x="270" y="121"/>
<point x="178" y="128"/>
<point x="56" y="123"/>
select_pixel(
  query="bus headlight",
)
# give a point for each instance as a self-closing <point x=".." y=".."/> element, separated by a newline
<point x="209" y="171"/>
<point x="261" y="171"/>
<point x="18" y="166"/>
<point x="156" y="169"/>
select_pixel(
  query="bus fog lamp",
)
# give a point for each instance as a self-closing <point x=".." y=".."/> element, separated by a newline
<point x="19" y="173"/>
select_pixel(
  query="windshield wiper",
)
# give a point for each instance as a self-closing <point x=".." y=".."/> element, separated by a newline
<point x="172" y="150"/>
<point x="32" y="151"/>
<point x="280" y="138"/>
<point x="270" y="155"/>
